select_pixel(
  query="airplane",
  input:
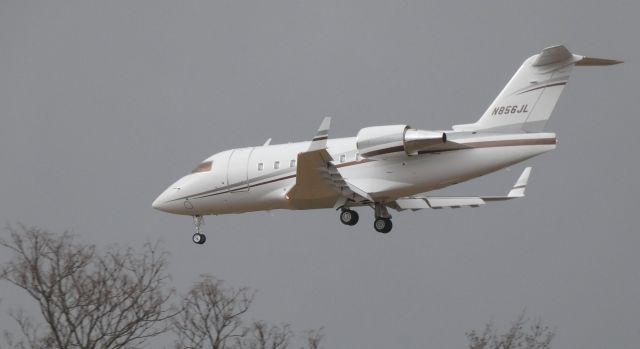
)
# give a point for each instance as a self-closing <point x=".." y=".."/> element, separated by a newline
<point x="384" y="167"/>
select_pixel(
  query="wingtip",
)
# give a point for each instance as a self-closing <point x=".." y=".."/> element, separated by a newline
<point x="320" y="139"/>
<point x="325" y="124"/>
<point x="518" y="189"/>
<point x="524" y="177"/>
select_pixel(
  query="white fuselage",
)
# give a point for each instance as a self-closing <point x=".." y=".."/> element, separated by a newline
<point x="258" y="178"/>
<point x="385" y="166"/>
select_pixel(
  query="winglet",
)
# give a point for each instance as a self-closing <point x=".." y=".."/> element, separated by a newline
<point x="521" y="184"/>
<point x="320" y="140"/>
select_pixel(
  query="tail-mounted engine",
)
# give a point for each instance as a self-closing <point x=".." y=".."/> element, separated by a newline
<point x="393" y="140"/>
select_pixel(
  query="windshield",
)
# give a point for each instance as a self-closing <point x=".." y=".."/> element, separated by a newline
<point x="203" y="167"/>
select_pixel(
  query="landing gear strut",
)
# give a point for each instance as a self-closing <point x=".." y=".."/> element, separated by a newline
<point x="198" y="237"/>
<point x="382" y="224"/>
<point x="349" y="217"/>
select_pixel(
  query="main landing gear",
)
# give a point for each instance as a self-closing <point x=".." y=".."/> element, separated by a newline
<point x="381" y="224"/>
<point x="349" y="217"/>
<point x="198" y="237"/>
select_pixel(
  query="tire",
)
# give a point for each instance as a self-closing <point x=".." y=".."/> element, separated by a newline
<point x="199" y="238"/>
<point x="349" y="217"/>
<point x="382" y="225"/>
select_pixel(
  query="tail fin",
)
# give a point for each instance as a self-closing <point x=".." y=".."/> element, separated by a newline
<point x="526" y="102"/>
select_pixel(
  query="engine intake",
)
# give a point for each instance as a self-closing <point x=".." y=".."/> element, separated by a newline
<point x="386" y="141"/>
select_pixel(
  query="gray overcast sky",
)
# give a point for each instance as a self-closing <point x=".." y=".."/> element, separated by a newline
<point x="104" y="104"/>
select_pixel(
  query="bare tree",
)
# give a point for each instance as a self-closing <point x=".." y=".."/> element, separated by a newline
<point x="211" y="315"/>
<point x="87" y="299"/>
<point x="261" y="335"/>
<point x="536" y="336"/>
<point x="28" y="332"/>
<point x="314" y="338"/>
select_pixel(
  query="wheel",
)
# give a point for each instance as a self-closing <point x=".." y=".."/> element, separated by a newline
<point x="349" y="217"/>
<point x="199" y="238"/>
<point x="382" y="225"/>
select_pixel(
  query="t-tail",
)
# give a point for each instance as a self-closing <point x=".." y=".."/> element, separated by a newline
<point x="526" y="102"/>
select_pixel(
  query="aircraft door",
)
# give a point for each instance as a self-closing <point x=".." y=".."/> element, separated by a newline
<point x="238" y="168"/>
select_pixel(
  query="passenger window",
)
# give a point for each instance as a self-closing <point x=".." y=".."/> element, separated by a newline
<point x="203" y="167"/>
<point x="343" y="157"/>
<point x="260" y="166"/>
<point x="292" y="163"/>
<point x="276" y="165"/>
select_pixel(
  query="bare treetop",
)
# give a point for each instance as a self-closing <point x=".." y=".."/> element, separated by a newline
<point x="119" y="298"/>
<point x="212" y="315"/>
<point x="92" y="300"/>
<point x="536" y="336"/>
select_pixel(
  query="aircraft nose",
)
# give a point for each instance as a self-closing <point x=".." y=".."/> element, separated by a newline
<point x="160" y="203"/>
<point x="167" y="202"/>
<point x="157" y="204"/>
<point x="173" y="199"/>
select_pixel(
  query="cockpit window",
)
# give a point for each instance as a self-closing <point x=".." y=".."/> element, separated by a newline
<point x="203" y="167"/>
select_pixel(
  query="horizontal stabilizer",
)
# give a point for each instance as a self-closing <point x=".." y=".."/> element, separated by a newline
<point x="590" y="61"/>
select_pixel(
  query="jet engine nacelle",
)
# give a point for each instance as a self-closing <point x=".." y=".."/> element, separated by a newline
<point x="385" y="141"/>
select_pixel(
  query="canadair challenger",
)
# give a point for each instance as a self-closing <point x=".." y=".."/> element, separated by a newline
<point x="384" y="167"/>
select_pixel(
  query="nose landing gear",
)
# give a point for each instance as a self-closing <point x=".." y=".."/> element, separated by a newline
<point x="198" y="237"/>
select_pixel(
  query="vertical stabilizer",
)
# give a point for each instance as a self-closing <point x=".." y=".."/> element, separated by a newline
<point x="526" y="102"/>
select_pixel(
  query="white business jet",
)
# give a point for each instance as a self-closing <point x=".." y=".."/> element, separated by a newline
<point x="384" y="167"/>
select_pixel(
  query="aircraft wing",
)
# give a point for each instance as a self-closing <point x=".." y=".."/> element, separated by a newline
<point x="318" y="181"/>
<point x="437" y="202"/>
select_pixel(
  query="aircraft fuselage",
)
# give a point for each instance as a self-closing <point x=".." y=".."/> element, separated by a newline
<point x="258" y="178"/>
